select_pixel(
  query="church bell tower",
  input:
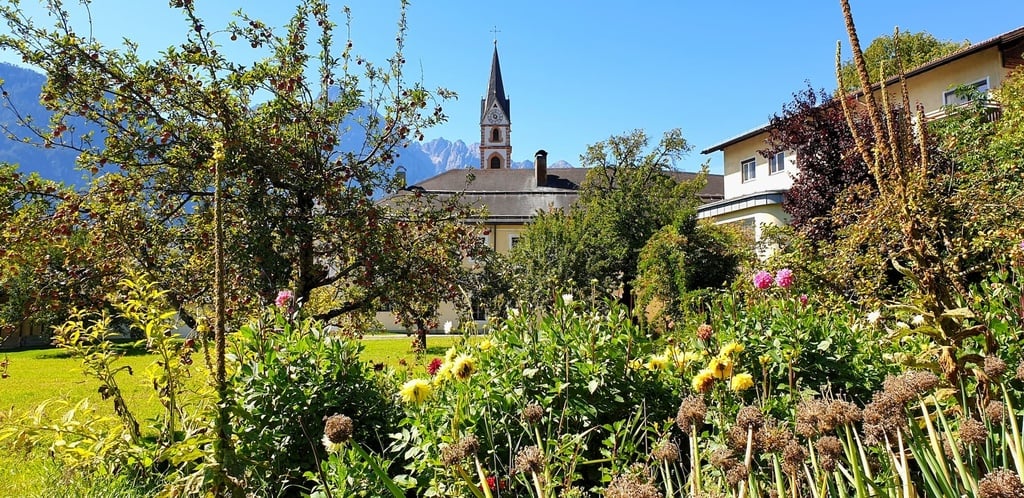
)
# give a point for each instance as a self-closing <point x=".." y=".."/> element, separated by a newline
<point x="495" y="122"/>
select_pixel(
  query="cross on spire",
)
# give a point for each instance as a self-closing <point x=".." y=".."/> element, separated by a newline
<point x="495" y="32"/>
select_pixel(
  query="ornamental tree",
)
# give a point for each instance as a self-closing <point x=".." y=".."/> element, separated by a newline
<point x="813" y="125"/>
<point x="305" y="134"/>
<point x="46" y="268"/>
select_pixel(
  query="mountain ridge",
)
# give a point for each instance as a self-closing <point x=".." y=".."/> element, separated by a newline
<point x="22" y="86"/>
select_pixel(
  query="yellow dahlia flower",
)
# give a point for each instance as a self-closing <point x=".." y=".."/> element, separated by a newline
<point x="415" y="391"/>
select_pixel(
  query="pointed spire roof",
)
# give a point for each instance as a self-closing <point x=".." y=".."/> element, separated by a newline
<point x="495" y="87"/>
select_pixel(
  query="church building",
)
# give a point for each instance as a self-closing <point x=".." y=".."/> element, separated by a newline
<point x="512" y="197"/>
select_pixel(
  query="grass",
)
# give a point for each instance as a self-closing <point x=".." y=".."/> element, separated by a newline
<point x="395" y="349"/>
<point x="42" y="374"/>
<point x="38" y="375"/>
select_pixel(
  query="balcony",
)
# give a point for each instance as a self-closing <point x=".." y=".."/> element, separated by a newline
<point x="993" y="111"/>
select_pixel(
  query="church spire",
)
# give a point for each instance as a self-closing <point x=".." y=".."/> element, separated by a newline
<point x="495" y="121"/>
<point x="495" y="87"/>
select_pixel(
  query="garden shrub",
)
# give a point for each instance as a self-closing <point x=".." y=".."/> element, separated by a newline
<point x="683" y="257"/>
<point x="288" y="376"/>
<point x="795" y="342"/>
<point x="539" y="396"/>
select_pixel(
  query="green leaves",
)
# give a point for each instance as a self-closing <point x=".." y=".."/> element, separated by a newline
<point x="306" y="137"/>
<point x="628" y="195"/>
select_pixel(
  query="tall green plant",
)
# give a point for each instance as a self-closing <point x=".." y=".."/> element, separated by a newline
<point x="289" y="374"/>
<point x="174" y="444"/>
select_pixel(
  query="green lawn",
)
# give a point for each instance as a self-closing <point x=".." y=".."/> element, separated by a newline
<point x="35" y="376"/>
<point x="38" y="375"/>
<point x="391" y="350"/>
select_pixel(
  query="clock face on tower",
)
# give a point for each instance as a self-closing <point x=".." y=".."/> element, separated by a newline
<point x="494" y="116"/>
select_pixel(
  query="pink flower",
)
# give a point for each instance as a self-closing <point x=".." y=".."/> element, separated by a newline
<point x="704" y="331"/>
<point x="283" y="298"/>
<point x="762" y="280"/>
<point x="784" y="278"/>
<point x="803" y="299"/>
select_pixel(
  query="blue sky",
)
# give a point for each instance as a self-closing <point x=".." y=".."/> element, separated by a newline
<point x="580" y="71"/>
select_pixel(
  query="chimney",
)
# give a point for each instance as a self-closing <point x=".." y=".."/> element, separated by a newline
<point x="541" y="166"/>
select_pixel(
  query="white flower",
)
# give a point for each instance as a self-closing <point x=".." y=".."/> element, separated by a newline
<point x="331" y="446"/>
<point x="567" y="298"/>
<point x="448" y="327"/>
<point x="918" y="320"/>
<point x="874" y="316"/>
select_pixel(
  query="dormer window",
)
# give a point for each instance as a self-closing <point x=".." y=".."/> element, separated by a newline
<point x="495" y="135"/>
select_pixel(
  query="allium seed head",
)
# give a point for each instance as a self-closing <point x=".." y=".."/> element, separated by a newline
<point x="451" y="454"/>
<point x="533" y="414"/>
<point x="774" y="437"/>
<point x="750" y="417"/>
<point x="337" y="431"/>
<point x="667" y="452"/>
<point x="737" y="474"/>
<point x="529" y="459"/>
<point x="691" y="414"/>
<point x="338" y="428"/>
<point x="994" y="367"/>
<point x="973" y="432"/>
<point x="809" y="412"/>
<point x="722" y="458"/>
<point x="793" y="457"/>
<point x="995" y="411"/>
<point x="829" y="448"/>
<point x="1001" y="484"/>
<point x="469" y="446"/>
<point x="631" y="485"/>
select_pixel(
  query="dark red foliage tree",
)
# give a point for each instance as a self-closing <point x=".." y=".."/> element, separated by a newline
<point x="814" y="127"/>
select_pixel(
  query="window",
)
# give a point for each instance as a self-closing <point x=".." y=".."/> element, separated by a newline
<point x="776" y="163"/>
<point x="513" y="239"/>
<point x="495" y="162"/>
<point x="745" y="227"/>
<point x="495" y="135"/>
<point x="485" y="242"/>
<point x="962" y="94"/>
<point x="748" y="169"/>
<point x="478" y="309"/>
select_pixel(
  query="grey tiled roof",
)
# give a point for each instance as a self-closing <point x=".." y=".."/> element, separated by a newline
<point x="512" y="195"/>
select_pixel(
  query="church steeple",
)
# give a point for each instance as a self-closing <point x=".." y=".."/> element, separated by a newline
<point x="495" y="121"/>
<point x="495" y="87"/>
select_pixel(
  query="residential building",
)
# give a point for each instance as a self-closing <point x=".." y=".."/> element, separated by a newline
<point x="756" y="186"/>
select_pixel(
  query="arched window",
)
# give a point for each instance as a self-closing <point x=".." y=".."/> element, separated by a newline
<point x="495" y="135"/>
<point x="495" y="162"/>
